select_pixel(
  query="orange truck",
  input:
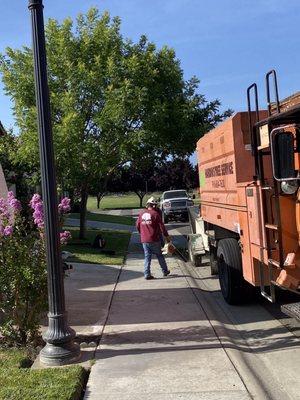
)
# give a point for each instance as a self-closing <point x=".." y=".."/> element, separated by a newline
<point x="250" y="198"/>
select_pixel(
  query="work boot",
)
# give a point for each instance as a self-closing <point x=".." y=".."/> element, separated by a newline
<point x="167" y="273"/>
<point x="148" y="278"/>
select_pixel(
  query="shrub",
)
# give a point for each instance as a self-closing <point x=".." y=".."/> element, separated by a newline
<point x="23" y="273"/>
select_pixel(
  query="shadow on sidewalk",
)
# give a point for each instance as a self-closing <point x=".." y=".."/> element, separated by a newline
<point x="268" y="340"/>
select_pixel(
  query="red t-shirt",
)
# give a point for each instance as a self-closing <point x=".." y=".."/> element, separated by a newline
<point x="150" y="226"/>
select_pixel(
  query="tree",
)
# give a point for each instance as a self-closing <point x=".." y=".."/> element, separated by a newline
<point x="139" y="177"/>
<point x="109" y="183"/>
<point x="177" y="173"/>
<point x="110" y="98"/>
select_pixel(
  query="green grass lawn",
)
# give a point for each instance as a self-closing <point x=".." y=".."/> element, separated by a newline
<point x="114" y="219"/>
<point x="128" y="200"/>
<point x="83" y="252"/>
<point x="18" y="382"/>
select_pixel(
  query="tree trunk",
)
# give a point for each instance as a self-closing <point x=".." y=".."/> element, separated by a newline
<point x="98" y="200"/>
<point x="100" y="196"/>
<point x="83" y="204"/>
<point x="141" y="195"/>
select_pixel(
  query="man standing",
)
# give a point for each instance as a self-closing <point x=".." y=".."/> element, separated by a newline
<point x="150" y="226"/>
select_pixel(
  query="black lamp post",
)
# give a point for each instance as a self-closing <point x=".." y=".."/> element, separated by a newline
<point x="60" y="348"/>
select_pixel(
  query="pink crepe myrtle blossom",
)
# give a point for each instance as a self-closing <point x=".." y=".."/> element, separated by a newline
<point x="64" y="206"/>
<point x="36" y="203"/>
<point x="12" y="202"/>
<point x="3" y="208"/>
<point x="9" y="210"/>
<point x="15" y="205"/>
<point x="65" y="237"/>
<point x="8" y="230"/>
<point x="36" y="199"/>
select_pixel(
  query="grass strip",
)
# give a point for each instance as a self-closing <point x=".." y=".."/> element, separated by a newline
<point x="19" y="383"/>
<point x="113" y="219"/>
<point x="83" y="251"/>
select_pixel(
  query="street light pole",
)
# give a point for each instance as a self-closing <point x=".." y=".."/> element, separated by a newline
<point x="60" y="348"/>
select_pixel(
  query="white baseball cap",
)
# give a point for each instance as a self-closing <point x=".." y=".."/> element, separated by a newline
<point x="151" y="200"/>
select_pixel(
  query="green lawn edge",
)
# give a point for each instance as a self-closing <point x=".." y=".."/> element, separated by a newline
<point x="18" y="383"/>
<point x="113" y="219"/>
<point x="83" y="252"/>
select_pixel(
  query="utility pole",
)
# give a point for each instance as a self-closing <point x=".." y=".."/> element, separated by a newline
<point x="60" y="347"/>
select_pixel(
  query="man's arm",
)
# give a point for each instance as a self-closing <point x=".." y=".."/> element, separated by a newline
<point x="138" y="223"/>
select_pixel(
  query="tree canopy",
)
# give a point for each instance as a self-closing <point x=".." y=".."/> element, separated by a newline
<point x="178" y="173"/>
<point x="112" y="101"/>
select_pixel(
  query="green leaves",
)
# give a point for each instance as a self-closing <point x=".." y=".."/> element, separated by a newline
<point x="110" y="98"/>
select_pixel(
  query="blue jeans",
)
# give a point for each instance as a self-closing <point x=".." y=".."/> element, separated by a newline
<point x="153" y="248"/>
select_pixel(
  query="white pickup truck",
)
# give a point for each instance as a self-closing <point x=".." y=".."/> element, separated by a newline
<point x="174" y="205"/>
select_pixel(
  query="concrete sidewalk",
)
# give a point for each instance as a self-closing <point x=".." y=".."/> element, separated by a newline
<point x="158" y="343"/>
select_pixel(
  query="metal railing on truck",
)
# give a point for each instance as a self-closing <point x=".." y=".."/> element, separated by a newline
<point x="272" y="230"/>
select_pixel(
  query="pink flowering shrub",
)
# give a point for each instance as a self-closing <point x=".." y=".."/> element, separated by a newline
<point x="23" y="272"/>
<point x="36" y="203"/>
<point x="9" y="209"/>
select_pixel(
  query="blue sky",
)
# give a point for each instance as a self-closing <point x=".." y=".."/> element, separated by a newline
<point x="228" y="44"/>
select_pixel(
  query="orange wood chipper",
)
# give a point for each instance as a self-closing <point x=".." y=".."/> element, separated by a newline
<point x="250" y="198"/>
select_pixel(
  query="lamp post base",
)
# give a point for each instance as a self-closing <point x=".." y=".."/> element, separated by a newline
<point x="56" y="355"/>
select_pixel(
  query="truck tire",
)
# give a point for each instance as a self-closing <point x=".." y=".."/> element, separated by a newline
<point x="233" y="285"/>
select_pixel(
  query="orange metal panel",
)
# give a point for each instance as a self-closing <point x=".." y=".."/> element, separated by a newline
<point x="246" y="250"/>
<point x="228" y="218"/>
<point x="224" y="157"/>
<point x="216" y="144"/>
<point x="255" y="216"/>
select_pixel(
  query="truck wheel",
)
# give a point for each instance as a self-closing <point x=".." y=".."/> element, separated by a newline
<point x="230" y="271"/>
